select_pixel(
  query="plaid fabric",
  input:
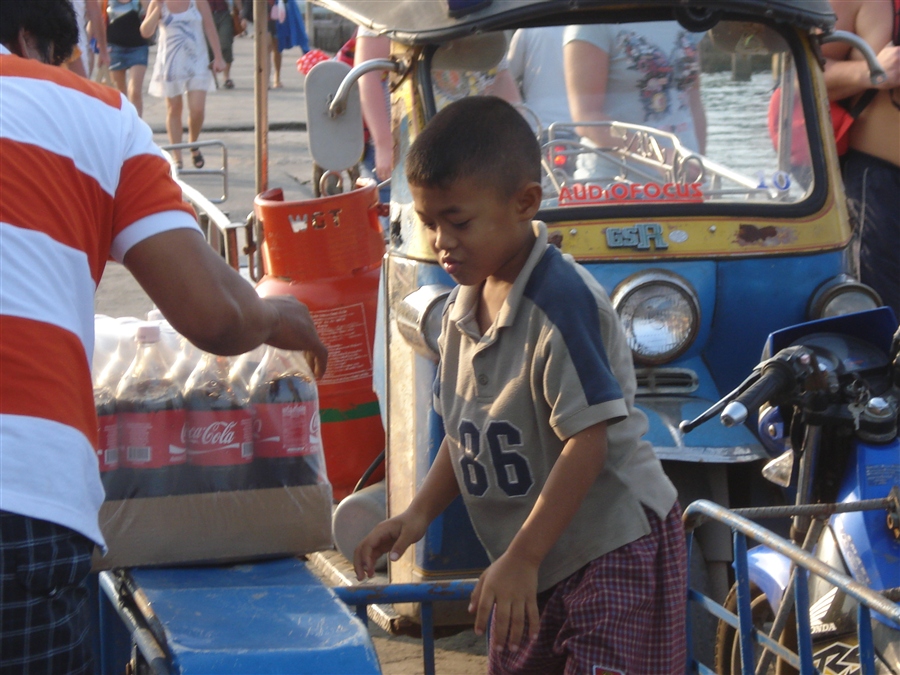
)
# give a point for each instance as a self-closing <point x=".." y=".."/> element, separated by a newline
<point x="44" y="611"/>
<point x="622" y="613"/>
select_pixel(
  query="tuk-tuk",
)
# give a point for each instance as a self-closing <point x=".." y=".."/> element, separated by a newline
<point x="689" y="165"/>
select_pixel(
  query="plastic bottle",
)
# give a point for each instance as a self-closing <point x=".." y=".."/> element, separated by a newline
<point x="186" y="359"/>
<point x="287" y="432"/>
<point x="219" y="429"/>
<point x="151" y="422"/>
<point x="118" y="345"/>
<point x="108" y="434"/>
<point x="243" y="367"/>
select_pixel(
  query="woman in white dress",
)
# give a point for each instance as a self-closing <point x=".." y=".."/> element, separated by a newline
<point x="182" y="64"/>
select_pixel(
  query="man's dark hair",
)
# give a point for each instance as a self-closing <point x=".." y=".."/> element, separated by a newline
<point x="52" y="23"/>
<point x="481" y="136"/>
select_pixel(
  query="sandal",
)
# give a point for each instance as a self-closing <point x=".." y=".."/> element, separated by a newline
<point x="178" y="164"/>
<point x="229" y="84"/>
<point x="197" y="158"/>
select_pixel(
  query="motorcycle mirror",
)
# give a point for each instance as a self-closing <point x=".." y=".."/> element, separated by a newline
<point x="335" y="141"/>
<point x="780" y="470"/>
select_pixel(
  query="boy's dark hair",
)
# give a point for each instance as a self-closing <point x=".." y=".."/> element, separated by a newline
<point x="482" y="136"/>
<point x="51" y="22"/>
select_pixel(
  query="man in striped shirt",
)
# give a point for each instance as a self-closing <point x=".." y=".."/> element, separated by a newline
<point x="81" y="182"/>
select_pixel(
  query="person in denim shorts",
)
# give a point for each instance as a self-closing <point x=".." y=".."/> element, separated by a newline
<point x="128" y="51"/>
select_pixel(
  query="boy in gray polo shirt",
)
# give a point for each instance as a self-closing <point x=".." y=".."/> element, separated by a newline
<point x="536" y="389"/>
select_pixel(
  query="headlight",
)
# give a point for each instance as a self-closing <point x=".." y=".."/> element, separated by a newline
<point x="419" y="318"/>
<point x="842" y="295"/>
<point x="661" y="315"/>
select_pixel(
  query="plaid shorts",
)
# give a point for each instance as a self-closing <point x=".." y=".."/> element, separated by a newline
<point x="623" y="613"/>
<point x="45" y="615"/>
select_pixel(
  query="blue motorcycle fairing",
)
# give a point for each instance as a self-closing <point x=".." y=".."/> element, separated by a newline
<point x="770" y="571"/>
<point x="876" y="326"/>
<point x="869" y="550"/>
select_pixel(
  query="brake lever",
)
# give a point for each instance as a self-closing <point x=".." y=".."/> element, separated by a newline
<point x="686" y="426"/>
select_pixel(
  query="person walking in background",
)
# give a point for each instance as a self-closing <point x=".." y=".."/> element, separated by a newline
<point x="871" y="167"/>
<point x="274" y="48"/>
<point x="89" y="11"/>
<point x="222" y="17"/>
<point x="128" y="50"/>
<point x="89" y="184"/>
<point x="181" y="66"/>
<point x="289" y="33"/>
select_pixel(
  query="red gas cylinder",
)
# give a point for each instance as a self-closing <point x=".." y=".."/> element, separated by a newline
<point x="327" y="253"/>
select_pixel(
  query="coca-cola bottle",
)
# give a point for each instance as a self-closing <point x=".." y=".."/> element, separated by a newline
<point x="107" y="370"/>
<point x="286" y="433"/>
<point x="243" y="367"/>
<point x="108" y="439"/>
<point x="219" y="429"/>
<point x="151" y="422"/>
<point x="186" y="358"/>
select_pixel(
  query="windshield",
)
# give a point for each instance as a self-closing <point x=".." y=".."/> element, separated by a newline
<point x="652" y="112"/>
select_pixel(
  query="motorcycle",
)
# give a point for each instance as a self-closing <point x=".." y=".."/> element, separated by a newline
<point x="827" y="394"/>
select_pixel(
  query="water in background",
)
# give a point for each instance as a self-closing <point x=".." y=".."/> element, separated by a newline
<point x="736" y="118"/>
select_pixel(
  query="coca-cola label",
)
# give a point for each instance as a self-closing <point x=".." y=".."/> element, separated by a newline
<point x="219" y="437"/>
<point x="108" y="449"/>
<point x="283" y="429"/>
<point x="152" y="440"/>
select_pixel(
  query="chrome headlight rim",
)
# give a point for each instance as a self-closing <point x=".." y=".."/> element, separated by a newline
<point x="831" y="291"/>
<point x="418" y="316"/>
<point x="659" y="277"/>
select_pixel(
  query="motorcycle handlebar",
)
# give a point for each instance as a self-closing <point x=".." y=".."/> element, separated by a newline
<point x="776" y="377"/>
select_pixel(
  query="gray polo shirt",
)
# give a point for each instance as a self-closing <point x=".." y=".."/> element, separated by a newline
<point x="554" y="362"/>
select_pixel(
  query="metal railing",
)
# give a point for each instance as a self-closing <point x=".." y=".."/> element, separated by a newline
<point x="803" y="564"/>
<point x="220" y="232"/>
<point x="426" y="594"/>
<point x="205" y="171"/>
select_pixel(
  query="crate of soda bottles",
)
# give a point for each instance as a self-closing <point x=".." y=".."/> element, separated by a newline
<point x="205" y="458"/>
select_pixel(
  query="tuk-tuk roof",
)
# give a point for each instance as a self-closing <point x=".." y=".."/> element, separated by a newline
<point x="430" y="21"/>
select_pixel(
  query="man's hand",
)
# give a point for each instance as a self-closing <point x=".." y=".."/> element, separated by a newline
<point x="889" y="58"/>
<point x="509" y="586"/>
<point x="394" y="535"/>
<point x="295" y="330"/>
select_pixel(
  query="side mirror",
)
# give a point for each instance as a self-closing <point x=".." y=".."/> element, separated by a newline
<point x="335" y="142"/>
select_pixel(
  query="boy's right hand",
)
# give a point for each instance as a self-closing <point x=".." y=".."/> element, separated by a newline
<point x="394" y="535"/>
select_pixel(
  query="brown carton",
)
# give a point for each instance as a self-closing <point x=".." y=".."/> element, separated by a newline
<point x="215" y="527"/>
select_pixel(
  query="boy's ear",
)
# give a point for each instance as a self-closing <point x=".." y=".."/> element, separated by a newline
<point x="528" y="200"/>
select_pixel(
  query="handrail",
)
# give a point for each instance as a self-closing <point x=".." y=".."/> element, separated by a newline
<point x="804" y="564"/>
<point x="339" y="102"/>
<point x="425" y="593"/>
<point x="876" y="72"/>
<point x="695" y="512"/>
<point x="206" y="207"/>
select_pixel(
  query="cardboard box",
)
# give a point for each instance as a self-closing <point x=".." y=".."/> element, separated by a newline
<point x="215" y="527"/>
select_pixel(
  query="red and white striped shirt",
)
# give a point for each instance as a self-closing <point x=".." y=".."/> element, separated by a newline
<point x="80" y="181"/>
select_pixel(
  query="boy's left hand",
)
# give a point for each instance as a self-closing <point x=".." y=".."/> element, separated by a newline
<point x="509" y="586"/>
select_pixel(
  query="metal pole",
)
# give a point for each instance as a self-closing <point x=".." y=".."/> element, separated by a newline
<point x="261" y="93"/>
<point x="310" y="25"/>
